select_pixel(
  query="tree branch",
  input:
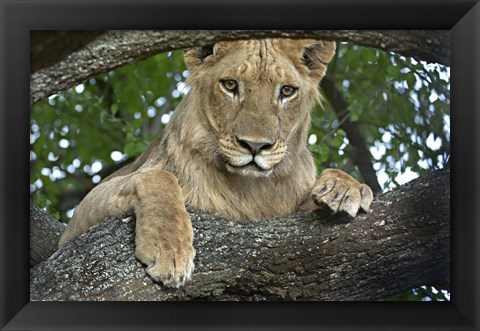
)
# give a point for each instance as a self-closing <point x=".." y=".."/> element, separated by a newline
<point x="50" y="46"/>
<point x="360" y="154"/>
<point x="404" y="242"/>
<point x="116" y="48"/>
<point x="44" y="235"/>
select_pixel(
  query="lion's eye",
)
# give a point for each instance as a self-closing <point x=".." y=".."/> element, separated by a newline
<point x="287" y="91"/>
<point x="230" y="85"/>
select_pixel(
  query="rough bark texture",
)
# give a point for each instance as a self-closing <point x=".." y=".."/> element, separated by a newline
<point x="49" y="47"/>
<point x="404" y="242"/>
<point x="44" y="235"/>
<point x="116" y="48"/>
<point x="360" y="154"/>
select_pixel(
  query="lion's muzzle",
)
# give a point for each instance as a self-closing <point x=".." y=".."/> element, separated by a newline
<point x="251" y="158"/>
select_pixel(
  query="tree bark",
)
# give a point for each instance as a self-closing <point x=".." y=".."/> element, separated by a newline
<point x="44" y="235"/>
<point x="116" y="48"/>
<point x="49" y="47"/>
<point x="403" y="243"/>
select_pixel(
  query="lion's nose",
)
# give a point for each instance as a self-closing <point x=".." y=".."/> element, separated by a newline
<point x="255" y="147"/>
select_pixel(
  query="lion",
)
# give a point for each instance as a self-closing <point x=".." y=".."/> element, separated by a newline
<point x="235" y="147"/>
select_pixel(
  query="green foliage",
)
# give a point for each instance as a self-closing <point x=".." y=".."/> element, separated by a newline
<point x="119" y="111"/>
<point x="401" y="107"/>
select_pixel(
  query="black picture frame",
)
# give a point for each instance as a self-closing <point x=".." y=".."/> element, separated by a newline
<point x="18" y="17"/>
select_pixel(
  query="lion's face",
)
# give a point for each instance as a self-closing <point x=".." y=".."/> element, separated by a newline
<point x="257" y="96"/>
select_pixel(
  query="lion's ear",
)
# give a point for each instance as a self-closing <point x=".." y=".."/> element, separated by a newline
<point x="315" y="55"/>
<point x="199" y="55"/>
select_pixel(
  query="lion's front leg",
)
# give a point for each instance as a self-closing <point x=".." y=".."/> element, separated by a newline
<point x="163" y="235"/>
<point x="341" y="192"/>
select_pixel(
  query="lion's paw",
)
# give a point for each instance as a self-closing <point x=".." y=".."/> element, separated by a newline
<point x="341" y="192"/>
<point x="167" y="264"/>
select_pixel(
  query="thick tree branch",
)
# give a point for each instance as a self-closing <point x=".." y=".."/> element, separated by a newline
<point x="44" y="235"/>
<point x="360" y="154"/>
<point x="404" y="242"/>
<point x="116" y="48"/>
<point x="51" y="46"/>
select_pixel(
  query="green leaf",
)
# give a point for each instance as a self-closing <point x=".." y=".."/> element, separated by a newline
<point x="114" y="108"/>
<point x="134" y="149"/>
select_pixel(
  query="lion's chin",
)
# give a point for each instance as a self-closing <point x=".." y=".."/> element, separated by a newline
<point x="249" y="170"/>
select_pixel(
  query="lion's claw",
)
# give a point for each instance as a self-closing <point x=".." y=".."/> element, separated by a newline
<point x="171" y="267"/>
<point x="341" y="192"/>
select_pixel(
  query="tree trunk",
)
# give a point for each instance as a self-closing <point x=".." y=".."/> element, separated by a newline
<point x="116" y="48"/>
<point x="403" y="243"/>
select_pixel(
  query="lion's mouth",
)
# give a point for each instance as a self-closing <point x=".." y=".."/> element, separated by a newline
<point x="250" y="169"/>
